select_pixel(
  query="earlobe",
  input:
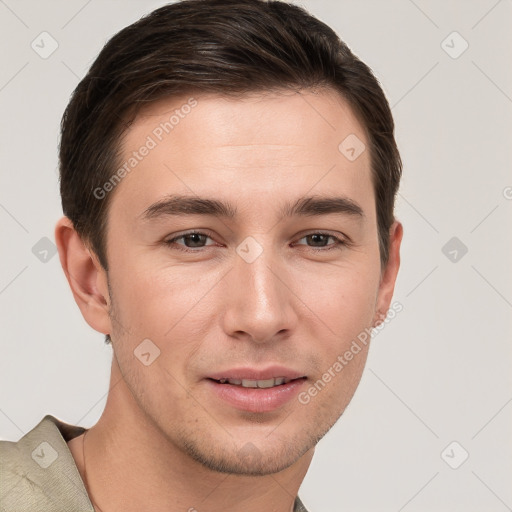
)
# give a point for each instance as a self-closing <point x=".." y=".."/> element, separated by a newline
<point x="379" y="318"/>
<point x="389" y="273"/>
<point x="86" y="278"/>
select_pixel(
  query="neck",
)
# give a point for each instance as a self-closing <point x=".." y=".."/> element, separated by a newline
<point x="129" y="463"/>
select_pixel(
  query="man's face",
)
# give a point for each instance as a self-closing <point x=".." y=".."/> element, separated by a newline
<point x="254" y="296"/>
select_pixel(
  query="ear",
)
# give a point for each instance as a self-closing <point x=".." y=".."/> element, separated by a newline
<point x="86" y="277"/>
<point x="389" y="274"/>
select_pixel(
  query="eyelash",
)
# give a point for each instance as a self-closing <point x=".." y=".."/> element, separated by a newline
<point x="338" y="244"/>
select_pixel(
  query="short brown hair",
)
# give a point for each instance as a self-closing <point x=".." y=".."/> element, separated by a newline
<point x="229" y="47"/>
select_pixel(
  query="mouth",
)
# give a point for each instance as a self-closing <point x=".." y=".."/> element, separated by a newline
<point x="256" y="391"/>
<point x="252" y="383"/>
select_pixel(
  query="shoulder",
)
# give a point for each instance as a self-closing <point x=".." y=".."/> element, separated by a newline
<point x="38" y="472"/>
<point x="299" y="506"/>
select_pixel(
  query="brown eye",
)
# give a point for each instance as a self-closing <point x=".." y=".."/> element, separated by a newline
<point x="193" y="240"/>
<point x="320" y="240"/>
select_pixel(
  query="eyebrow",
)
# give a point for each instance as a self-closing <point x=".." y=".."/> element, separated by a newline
<point x="304" y="206"/>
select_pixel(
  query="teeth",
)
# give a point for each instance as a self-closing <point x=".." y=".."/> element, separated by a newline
<point x="246" y="383"/>
<point x="249" y="383"/>
<point x="268" y="383"/>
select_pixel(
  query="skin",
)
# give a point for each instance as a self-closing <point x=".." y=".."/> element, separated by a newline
<point x="164" y="438"/>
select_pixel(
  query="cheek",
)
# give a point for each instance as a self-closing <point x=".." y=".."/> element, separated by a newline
<point x="168" y="305"/>
<point x="342" y="297"/>
<point x="336" y="386"/>
<point x="342" y="304"/>
<point x="157" y="297"/>
<point x="344" y="309"/>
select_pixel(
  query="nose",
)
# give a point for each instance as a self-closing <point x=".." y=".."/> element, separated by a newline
<point x="260" y="303"/>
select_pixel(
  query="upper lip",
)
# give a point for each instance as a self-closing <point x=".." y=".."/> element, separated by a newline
<point x="270" y="372"/>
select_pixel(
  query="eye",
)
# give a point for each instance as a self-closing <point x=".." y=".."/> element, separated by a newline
<point x="194" y="239"/>
<point x="320" y="241"/>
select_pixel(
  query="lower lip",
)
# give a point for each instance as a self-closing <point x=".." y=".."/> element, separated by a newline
<point x="257" y="399"/>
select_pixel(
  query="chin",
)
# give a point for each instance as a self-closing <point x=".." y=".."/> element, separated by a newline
<point x="249" y="459"/>
<point x="246" y="458"/>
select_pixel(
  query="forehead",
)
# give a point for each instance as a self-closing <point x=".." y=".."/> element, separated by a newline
<point x="275" y="118"/>
<point x="255" y="147"/>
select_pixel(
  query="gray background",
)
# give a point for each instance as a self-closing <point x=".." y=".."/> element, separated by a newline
<point x="439" y="372"/>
